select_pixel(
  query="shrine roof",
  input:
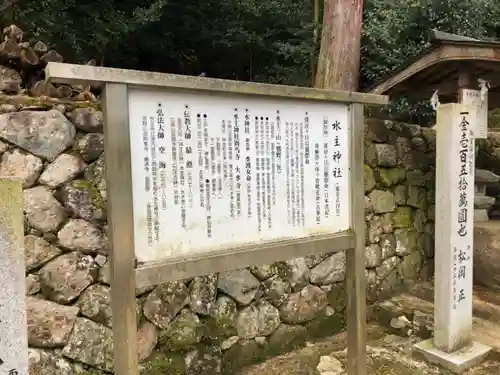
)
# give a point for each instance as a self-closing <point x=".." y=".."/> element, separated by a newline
<point x="439" y="66"/>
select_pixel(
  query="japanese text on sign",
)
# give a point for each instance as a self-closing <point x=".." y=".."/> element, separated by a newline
<point x="219" y="172"/>
<point x="462" y="245"/>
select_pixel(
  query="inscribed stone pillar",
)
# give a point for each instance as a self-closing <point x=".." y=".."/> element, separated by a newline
<point x="454" y="227"/>
<point x="13" y="323"/>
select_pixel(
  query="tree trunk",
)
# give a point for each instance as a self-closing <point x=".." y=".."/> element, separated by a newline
<point x="338" y="61"/>
<point x="315" y="40"/>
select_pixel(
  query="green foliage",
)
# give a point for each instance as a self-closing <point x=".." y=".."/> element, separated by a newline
<point x="267" y="41"/>
<point x="397" y="31"/>
<point x="239" y="39"/>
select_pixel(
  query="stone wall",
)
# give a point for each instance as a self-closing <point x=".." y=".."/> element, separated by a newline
<point x="206" y="324"/>
<point x="399" y="204"/>
<point x="489" y="159"/>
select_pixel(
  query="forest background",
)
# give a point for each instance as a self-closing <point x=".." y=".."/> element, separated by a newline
<point x="268" y="41"/>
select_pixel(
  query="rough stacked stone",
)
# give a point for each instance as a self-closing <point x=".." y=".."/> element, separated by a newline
<point x="206" y="324"/>
<point x="488" y="160"/>
<point x="399" y="204"/>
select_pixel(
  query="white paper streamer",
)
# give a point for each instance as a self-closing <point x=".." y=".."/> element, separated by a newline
<point x="435" y="100"/>
<point x="484" y="86"/>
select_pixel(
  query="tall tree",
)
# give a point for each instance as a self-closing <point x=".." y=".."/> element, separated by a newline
<point x="338" y="61"/>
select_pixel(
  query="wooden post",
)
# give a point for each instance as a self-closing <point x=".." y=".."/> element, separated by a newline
<point x="119" y="185"/>
<point x="355" y="259"/>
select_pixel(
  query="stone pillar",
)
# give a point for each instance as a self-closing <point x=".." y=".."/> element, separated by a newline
<point x="452" y="346"/>
<point x="13" y="324"/>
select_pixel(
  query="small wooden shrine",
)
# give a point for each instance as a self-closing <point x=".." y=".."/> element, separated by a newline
<point x="452" y="62"/>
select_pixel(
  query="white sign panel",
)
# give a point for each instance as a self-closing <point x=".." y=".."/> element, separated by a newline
<point x="454" y="225"/>
<point x="480" y="102"/>
<point x="214" y="172"/>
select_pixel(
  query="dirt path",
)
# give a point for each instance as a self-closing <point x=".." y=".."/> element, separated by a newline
<point x="387" y="355"/>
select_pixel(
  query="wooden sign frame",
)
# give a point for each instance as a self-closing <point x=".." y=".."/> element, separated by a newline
<point x="125" y="277"/>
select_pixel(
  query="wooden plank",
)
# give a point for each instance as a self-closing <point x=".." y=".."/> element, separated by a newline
<point x="184" y="267"/>
<point x="81" y="74"/>
<point x="121" y="229"/>
<point x="355" y="260"/>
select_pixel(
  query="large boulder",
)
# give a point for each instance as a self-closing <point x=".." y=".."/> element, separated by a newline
<point x="66" y="277"/>
<point x="42" y="210"/>
<point x="63" y="169"/>
<point x="43" y="362"/>
<point x="21" y="165"/>
<point x="240" y="284"/>
<point x="49" y="324"/>
<point x="92" y="344"/>
<point x="165" y="302"/>
<point x="44" y="134"/>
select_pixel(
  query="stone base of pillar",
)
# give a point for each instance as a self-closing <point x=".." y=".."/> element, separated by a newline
<point x="456" y="362"/>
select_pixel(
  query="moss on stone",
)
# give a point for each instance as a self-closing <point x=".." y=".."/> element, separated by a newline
<point x="214" y="333"/>
<point x="325" y="325"/>
<point x="93" y="192"/>
<point x="371" y="157"/>
<point x="242" y="354"/>
<point x="222" y="323"/>
<point x="282" y="269"/>
<point x="494" y="119"/>
<point x="80" y="369"/>
<point x="337" y="297"/>
<point x="369" y="178"/>
<point x="407" y="240"/>
<point x="402" y="217"/>
<point x="410" y="266"/>
<point x="169" y="363"/>
<point x="183" y="332"/>
<point x="285" y="339"/>
<point x="44" y="101"/>
<point x="388" y="177"/>
<point x="94" y="105"/>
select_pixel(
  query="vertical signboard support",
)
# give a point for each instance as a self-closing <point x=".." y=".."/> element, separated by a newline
<point x="206" y="175"/>
<point x="13" y="322"/>
<point x="121" y="227"/>
<point x="452" y="345"/>
<point x="355" y="259"/>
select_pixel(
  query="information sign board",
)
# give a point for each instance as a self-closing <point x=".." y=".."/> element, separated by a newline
<point x="206" y="175"/>
<point x="212" y="171"/>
